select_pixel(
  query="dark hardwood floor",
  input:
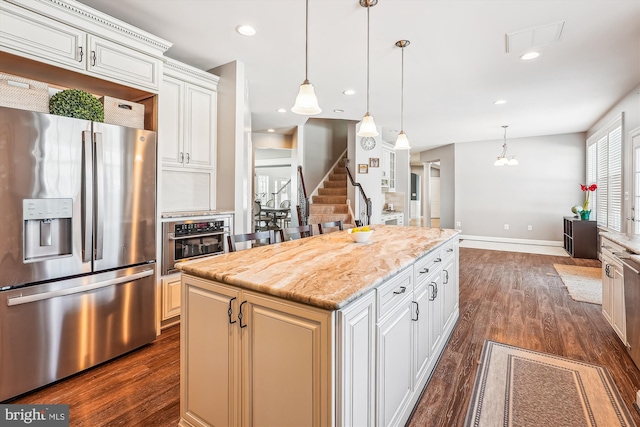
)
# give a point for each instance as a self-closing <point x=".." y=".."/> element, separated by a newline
<point x="514" y="298"/>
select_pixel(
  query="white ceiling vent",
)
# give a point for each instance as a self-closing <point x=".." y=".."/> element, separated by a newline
<point x="520" y="41"/>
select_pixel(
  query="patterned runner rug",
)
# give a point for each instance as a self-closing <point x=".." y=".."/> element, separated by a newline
<point x="519" y="387"/>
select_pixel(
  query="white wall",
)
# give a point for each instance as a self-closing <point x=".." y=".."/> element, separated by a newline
<point x="539" y="192"/>
<point x="371" y="181"/>
<point x="324" y="141"/>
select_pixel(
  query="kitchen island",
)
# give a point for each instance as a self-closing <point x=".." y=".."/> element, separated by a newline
<point x="319" y="331"/>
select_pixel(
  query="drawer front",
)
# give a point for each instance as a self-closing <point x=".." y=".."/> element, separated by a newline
<point x="391" y="293"/>
<point x="428" y="265"/>
<point x="448" y="249"/>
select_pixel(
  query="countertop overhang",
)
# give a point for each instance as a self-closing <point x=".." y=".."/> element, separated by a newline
<point x="326" y="271"/>
<point x="629" y="242"/>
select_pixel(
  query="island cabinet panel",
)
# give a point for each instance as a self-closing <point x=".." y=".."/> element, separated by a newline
<point x="356" y="347"/>
<point x="450" y="284"/>
<point x="286" y="363"/>
<point x="249" y="359"/>
<point x="422" y="348"/>
<point x="395" y="376"/>
<point x="210" y="355"/>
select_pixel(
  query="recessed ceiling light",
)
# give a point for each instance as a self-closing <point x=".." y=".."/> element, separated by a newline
<point x="337" y="110"/>
<point x="500" y="102"/>
<point x="270" y="130"/>
<point x="246" y="30"/>
<point x="282" y="110"/>
<point x="349" y="92"/>
<point x="530" y="55"/>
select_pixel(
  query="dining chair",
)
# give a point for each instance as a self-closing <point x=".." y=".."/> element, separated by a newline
<point x="300" y="231"/>
<point x="268" y="235"/>
<point x="271" y="203"/>
<point x="322" y="228"/>
<point x="282" y="217"/>
<point x="261" y="222"/>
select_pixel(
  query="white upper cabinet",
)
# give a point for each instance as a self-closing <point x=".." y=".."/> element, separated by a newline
<point x="187" y="117"/>
<point x="78" y="38"/>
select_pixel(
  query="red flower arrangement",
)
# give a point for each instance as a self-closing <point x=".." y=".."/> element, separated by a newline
<point x="589" y="189"/>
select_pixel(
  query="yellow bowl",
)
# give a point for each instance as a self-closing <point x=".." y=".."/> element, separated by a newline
<point x="360" y="236"/>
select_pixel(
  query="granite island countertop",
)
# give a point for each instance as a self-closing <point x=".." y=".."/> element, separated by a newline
<point x="629" y="242"/>
<point x="326" y="271"/>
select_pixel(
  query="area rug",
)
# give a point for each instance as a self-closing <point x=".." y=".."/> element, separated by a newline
<point x="519" y="387"/>
<point x="583" y="283"/>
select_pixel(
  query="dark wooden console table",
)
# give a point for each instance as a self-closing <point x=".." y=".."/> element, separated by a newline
<point x="580" y="238"/>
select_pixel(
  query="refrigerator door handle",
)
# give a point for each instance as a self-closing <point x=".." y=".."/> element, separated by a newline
<point x="77" y="289"/>
<point x="87" y="196"/>
<point x="99" y="195"/>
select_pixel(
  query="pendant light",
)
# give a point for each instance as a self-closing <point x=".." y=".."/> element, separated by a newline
<point x="368" y="127"/>
<point x="402" y="143"/>
<point x="503" y="159"/>
<point x="306" y="101"/>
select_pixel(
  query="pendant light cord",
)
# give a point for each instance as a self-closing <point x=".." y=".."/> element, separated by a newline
<point x="368" y="8"/>
<point x="306" y="44"/>
<point x="402" y="94"/>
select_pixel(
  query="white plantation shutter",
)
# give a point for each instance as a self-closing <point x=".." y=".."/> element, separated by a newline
<point x="602" y="180"/>
<point x="604" y="167"/>
<point x="592" y="176"/>
<point x="614" y="212"/>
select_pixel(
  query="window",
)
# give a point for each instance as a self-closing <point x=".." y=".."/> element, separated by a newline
<point x="604" y="167"/>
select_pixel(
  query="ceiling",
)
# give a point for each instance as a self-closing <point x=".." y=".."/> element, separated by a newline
<point x="455" y="67"/>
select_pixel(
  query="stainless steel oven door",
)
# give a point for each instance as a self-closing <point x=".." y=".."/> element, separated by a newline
<point x="182" y="248"/>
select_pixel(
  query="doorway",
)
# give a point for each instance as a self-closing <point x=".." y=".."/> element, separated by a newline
<point x="431" y="194"/>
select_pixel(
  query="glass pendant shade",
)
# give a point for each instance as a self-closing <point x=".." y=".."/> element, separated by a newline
<point x="500" y="162"/>
<point x="503" y="159"/>
<point x="306" y="101"/>
<point x="367" y="126"/>
<point x="512" y="162"/>
<point x="402" y="143"/>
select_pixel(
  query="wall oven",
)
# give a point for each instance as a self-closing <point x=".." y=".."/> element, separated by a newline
<point x="189" y="239"/>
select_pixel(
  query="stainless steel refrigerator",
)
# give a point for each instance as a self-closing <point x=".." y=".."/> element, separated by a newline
<point x="77" y="245"/>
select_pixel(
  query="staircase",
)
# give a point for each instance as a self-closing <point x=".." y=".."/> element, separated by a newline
<point x="331" y="202"/>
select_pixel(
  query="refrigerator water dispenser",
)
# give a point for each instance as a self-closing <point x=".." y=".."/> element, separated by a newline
<point x="47" y="228"/>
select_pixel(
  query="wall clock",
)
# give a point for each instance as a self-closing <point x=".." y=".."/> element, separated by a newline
<point x="368" y="143"/>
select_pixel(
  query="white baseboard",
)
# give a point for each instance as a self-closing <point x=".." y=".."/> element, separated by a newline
<point x="511" y="240"/>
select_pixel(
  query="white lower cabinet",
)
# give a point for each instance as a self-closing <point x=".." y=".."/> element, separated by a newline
<point x="171" y="296"/>
<point x="395" y="376"/>
<point x="252" y="360"/>
<point x="613" y="302"/>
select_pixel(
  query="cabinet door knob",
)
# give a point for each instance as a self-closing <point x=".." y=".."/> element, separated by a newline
<point x="81" y="54"/>
<point x="93" y="58"/>
<point x="417" y="311"/>
<point x="446" y="272"/>
<point x="433" y="289"/>
<point x="181" y="157"/>
<point x="188" y="158"/>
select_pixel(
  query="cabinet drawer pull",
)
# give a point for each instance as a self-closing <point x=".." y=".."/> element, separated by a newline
<point x="81" y="54"/>
<point x="424" y="270"/>
<point x="230" y="311"/>
<point x="402" y="289"/>
<point x="93" y="58"/>
<point x="241" y="315"/>
<point x="437" y="260"/>
<point x="450" y="250"/>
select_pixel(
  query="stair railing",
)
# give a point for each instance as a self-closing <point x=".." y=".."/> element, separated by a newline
<point x="364" y="206"/>
<point x="277" y="197"/>
<point x="303" y="201"/>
